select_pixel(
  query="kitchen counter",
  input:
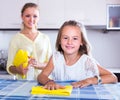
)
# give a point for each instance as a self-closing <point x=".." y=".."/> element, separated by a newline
<point x="5" y="75"/>
<point x="114" y="70"/>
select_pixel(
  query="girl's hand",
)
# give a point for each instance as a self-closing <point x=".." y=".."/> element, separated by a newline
<point x="82" y="83"/>
<point x="53" y="86"/>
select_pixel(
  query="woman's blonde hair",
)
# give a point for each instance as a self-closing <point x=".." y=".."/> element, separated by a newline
<point x="85" y="48"/>
<point x="28" y="5"/>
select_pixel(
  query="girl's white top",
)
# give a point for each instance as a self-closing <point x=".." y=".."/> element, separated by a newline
<point x="85" y="67"/>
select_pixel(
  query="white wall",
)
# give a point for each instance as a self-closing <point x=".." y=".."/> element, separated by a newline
<point x="105" y="45"/>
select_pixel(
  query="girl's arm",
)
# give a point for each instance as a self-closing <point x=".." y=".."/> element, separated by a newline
<point x="43" y="76"/>
<point x="44" y="80"/>
<point x="107" y="76"/>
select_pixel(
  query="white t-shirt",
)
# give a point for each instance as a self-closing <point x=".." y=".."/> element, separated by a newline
<point x="85" y="67"/>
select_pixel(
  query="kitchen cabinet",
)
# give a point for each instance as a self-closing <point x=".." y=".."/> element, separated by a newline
<point x="113" y="17"/>
<point x="10" y="17"/>
<point x="53" y="13"/>
<point x="113" y="14"/>
<point x="86" y="11"/>
<point x="112" y="1"/>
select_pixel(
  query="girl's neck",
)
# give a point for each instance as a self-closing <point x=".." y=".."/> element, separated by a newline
<point x="71" y="59"/>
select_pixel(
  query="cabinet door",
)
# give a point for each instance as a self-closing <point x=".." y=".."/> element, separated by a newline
<point x="10" y="17"/>
<point x="86" y="11"/>
<point x="51" y="13"/>
<point x="112" y="1"/>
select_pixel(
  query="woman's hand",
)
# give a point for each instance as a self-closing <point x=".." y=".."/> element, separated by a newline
<point x="21" y="70"/>
<point x="82" y="83"/>
<point x="51" y="85"/>
<point x="34" y="63"/>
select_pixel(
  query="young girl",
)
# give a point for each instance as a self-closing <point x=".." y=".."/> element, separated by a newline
<point x="33" y="41"/>
<point x="72" y="61"/>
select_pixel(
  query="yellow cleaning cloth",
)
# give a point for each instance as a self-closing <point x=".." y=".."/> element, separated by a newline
<point x="21" y="57"/>
<point x="61" y="92"/>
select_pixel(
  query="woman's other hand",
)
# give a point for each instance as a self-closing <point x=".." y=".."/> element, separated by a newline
<point x="34" y="63"/>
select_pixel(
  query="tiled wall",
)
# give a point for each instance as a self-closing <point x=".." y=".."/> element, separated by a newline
<point x="106" y="46"/>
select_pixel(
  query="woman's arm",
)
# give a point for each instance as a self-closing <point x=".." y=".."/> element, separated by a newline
<point x="18" y="70"/>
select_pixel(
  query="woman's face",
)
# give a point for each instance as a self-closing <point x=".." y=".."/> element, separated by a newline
<point x="71" y="39"/>
<point x="30" y="17"/>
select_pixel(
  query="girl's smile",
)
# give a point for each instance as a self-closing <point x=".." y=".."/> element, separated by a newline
<point x="71" y="39"/>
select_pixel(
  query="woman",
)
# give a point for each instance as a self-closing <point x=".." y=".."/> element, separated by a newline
<point x="30" y="39"/>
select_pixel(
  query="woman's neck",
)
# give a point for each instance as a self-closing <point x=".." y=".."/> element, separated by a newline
<point x="30" y="33"/>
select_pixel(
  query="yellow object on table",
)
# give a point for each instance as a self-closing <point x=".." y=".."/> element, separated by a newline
<point x="21" y="57"/>
<point x="61" y="92"/>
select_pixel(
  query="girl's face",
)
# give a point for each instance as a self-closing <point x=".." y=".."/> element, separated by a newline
<point x="30" y="17"/>
<point x="71" y="39"/>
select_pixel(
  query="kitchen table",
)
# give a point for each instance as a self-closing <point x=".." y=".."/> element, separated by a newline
<point x="20" y="90"/>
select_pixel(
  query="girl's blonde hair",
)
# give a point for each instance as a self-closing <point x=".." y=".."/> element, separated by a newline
<point x="85" y="48"/>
